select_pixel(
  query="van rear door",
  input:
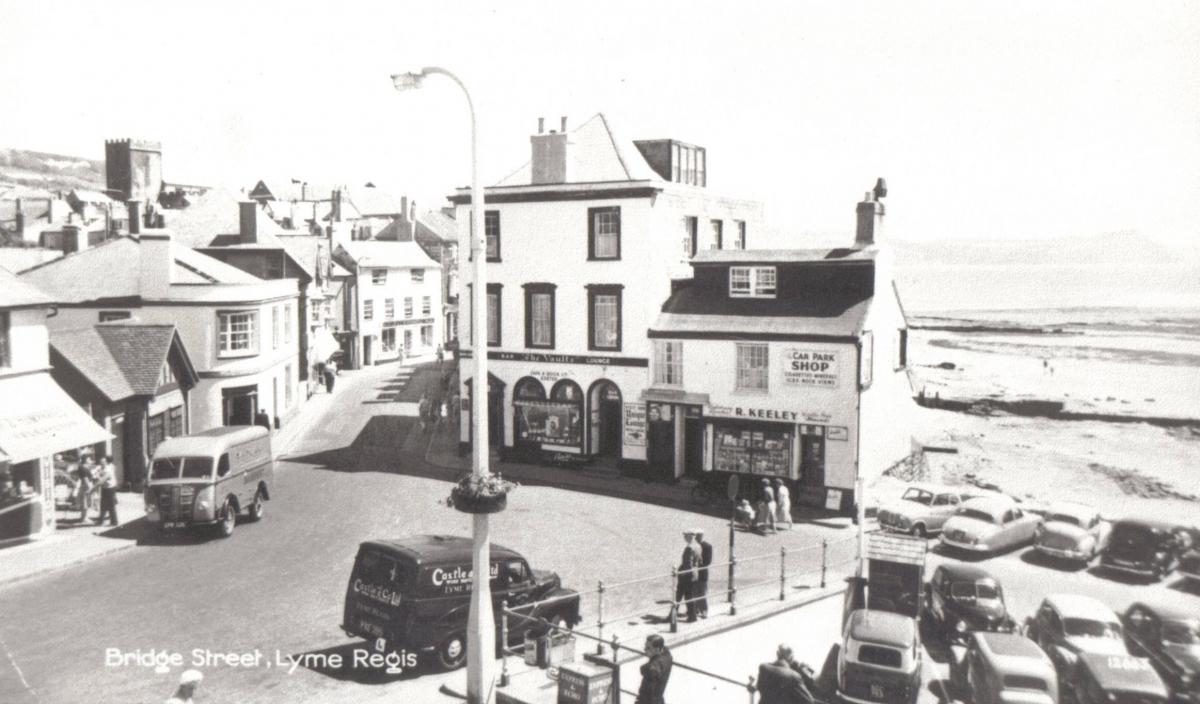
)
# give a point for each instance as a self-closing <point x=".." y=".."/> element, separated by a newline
<point x="375" y="596"/>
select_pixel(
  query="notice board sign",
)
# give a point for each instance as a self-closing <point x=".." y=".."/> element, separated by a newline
<point x="635" y="424"/>
<point x="810" y="367"/>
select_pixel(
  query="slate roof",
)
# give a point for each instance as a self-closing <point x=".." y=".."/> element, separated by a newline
<point x="15" y="293"/>
<point x="110" y="270"/>
<point x="598" y="153"/>
<point x="375" y="201"/>
<point x="367" y="253"/>
<point x="121" y="358"/>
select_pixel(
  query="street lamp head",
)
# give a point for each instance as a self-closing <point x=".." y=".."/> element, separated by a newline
<point x="411" y="80"/>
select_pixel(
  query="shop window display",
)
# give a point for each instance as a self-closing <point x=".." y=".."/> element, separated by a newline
<point x="556" y="421"/>
<point x="763" y="452"/>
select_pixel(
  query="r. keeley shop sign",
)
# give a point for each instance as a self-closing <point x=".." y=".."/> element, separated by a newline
<point x="809" y="367"/>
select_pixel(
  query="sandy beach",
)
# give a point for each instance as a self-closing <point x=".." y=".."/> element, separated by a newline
<point x="1094" y="405"/>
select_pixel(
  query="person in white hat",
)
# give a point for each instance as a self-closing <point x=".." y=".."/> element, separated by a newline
<point x="188" y="682"/>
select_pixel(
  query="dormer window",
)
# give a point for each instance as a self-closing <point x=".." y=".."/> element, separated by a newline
<point x="752" y="282"/>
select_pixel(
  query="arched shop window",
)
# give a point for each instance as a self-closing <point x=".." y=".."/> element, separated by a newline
<point x="529" y="389"/>
<point x="567" y="391"/>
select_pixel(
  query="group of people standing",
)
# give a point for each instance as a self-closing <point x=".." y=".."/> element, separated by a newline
<point x="772" y="509"/>
<point x="691" y="578"/>
<point x="92" y="479"/>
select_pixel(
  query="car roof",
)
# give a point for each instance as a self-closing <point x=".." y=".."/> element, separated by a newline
<point x="882" y="627"/>
<point x="1169" y="611"/>
<point x="1140" y="521"/>
<point x="1009" y="645"/>
<point x="932" y="488"/>
<point x="990" y="504"/>
<point x="1124" y="673"/>
<point x="435" y="549"/>
<point x="210" y="442"/>
<point x="964" y="572"/>
<point x="1080" y="606"/>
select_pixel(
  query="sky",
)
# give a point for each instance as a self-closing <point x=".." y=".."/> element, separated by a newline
<point x="989" y="120"/>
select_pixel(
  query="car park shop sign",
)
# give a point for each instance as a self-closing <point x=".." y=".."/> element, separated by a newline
<point x="809" y="367"/>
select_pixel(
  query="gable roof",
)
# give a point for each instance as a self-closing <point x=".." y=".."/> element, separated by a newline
<point x="367" y="253"/>
<point x="121" y="358"/>
<point x="111" y="270"/>
<point x="15" y="293"/>
<point x="598" y="154"/>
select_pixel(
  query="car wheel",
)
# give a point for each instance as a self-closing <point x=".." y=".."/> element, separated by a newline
<point x="228" y="519"/>
<point x="452" y="653"/>
<point x="256" y="507"/>
<point x="918" y="531"/>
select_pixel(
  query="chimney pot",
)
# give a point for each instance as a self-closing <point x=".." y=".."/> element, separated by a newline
<point x="563" y="128"/>
<point x="248" y="222"/>
<point x="541" y="125"/>
<point x="869" y="228"/>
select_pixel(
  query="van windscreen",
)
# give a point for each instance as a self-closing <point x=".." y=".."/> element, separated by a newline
<point x="185" y="467"/>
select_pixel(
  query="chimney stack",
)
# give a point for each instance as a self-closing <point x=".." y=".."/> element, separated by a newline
<point x="550" y="156"/>
<point x="541" y="125"/>
<point x="134" y="208"/>
<point x="73" y="239"/>
<point x="870" y="217"/>
<point x="563" y="128"/>
<point x="248" y="222"/>
<point x="20" y="217"/>
<point x="155" y="264"/>
<point x="403" y="207"/>
<point x="336" y="207"/>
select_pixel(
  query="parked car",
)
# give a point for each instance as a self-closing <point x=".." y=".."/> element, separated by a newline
<point x="1072" y="532"/>
<point x="1066" y="625"/>
<point x="1145" y="547"/>
<point x="962" y="599"/>
<point x="413" y="594"/>
<point x="920" y="511"/>
<point x="1005" y="668"/>
<point x="1116" y="679"/>
<point x="1189" y="564"/>
<point x="880" y="658"/>
<point x="989" y="524"/>
<point x="1169" y="635"/>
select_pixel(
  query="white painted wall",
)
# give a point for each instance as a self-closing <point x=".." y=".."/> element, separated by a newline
<point x="28" y="339"/>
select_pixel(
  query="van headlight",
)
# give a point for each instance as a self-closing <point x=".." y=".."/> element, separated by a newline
<point x="961" y="626"/>
<point x="204" y="502"/>
<point x="149" y="499"/>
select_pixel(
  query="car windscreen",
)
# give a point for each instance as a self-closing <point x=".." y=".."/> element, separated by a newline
<point x="974" y="590"/>
<point x="879" y="655"/>
<point x="921" y="497"/>
<point x="1025" y="682"/>
<point x="1063" y="518"/>
<point x="1133" y="533"/>
<point x="977" y="515"/>
<point x="181" y="467"/>
<point x="1087" y="628"/>
<point x="1181" y="633"/>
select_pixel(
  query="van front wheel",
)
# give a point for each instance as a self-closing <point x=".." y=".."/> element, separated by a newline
<point x="228" y="519"/>
<point x="452" y="653"/>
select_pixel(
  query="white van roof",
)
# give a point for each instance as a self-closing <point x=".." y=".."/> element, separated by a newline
<point x="211" y="442"/>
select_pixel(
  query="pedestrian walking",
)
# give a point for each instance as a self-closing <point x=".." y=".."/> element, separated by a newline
<point x="188" y="682"/>
<point x="107" y="480"/>
<point x="685" y="578"/>
<point x="706" y="558"/>
<point x="656" y="671"/>
<point x="783" y="501"/>
<point x="262" y="418"/>
<point x="441" y="356"/>
<point x="423" y="412"/>
<point x="780" y="682"/>
<point x="330" y="373"/>
<point x="766" y="506"/>
<point x="86" y="481"/>
<point x="320" y="367"/>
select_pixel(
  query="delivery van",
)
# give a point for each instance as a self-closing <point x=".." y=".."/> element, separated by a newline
<point x="207" y="479"/>
<point x="413" y="594"/>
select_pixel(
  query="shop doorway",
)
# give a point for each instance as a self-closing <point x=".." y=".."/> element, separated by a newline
<point x="660" y="436"/>
<point x="368" y="351"/>
<point x="118" y="449"/>
<point x="693" y="443"/>
<point x="812" y="463"/>
<point x="239" y="405"/>
<point x="604" y="399"/>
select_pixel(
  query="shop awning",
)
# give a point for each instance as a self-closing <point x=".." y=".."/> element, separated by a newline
<point x="38" y="419"/>
<point x="674" y="396"/>
<point x="325" y="344"/>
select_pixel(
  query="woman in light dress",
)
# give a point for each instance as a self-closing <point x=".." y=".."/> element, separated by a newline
<point x="783" y="500"/>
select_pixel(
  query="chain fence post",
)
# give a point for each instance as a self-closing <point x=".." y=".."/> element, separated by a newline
<point x="600" y="618"/>
<point x="782" y="573"/>
<point x="674" y="602"/>
<point x="504" y="643"/>
<point x="824" y="559"/>
<point x="616" y="671"/>
<point x="750" y="689"/>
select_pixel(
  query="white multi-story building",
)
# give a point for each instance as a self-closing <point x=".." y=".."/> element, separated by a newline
<point x="240" y="331"/>
<point x="394" y="303"/>
<point x="582" y="244"/>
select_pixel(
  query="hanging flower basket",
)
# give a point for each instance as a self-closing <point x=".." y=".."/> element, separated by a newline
<point x="485" y="494"/>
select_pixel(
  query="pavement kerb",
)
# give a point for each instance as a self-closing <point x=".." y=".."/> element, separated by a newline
<point x="71" y="562"/>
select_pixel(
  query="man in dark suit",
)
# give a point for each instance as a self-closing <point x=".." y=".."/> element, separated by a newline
<point x="655" y="672"/>
<point x="701" y="589"/>
<point x="780" y="682"/>
<point x="685" y="578"/>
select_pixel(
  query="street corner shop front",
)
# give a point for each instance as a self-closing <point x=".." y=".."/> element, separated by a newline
<point x="813" y="452"/>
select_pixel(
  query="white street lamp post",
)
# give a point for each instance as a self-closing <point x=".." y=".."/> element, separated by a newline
<point x="481" y="627"/>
